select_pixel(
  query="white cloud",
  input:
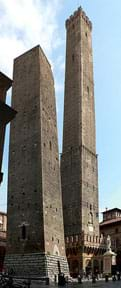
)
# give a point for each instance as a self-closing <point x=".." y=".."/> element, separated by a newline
<point x="24" y="24"/>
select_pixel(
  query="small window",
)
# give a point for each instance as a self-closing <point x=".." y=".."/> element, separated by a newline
<point x="50" y="145"/>
<point x="67" y="239"/>
<point x="90" y="218"/>
<point x="88" y="90"/>
<point x="23" y="232"/>
<point x="73" y="57"/>
<point x="86" y="34"/>
<point x="1" y="226"/>
<point x="117" y="243"/>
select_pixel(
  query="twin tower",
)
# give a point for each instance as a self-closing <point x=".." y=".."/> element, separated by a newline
<point x="36" y="204"/>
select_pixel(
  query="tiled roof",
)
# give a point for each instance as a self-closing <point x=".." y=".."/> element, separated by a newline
<point x="111" y="221"/>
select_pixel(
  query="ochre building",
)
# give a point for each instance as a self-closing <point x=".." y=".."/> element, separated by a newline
<point x="3" y="228"/>
<point x="79" y="167"/>
<point x="111" y="225"/>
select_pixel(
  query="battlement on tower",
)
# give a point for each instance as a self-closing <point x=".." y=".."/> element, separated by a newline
<point x="78" y="13"/>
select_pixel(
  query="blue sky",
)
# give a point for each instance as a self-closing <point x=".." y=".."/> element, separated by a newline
<point x="26" y="23"/>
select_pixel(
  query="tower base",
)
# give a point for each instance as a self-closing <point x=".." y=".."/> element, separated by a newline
<point x="36" y="265"/>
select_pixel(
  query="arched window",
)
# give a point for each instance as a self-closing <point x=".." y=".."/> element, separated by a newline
<point x="90" y="218"/>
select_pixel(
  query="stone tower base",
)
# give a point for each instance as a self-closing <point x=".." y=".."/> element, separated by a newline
<point x="36" y="265"/>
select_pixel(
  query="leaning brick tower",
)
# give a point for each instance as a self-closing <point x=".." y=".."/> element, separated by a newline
<point x="35" y="234"/>
<point x="79" y="170"/>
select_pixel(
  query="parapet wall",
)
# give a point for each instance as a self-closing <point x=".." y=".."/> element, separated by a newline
<point x="85" y="239"/>
<point x="78" y="13"/>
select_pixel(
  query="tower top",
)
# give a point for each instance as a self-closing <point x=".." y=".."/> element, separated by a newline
<point x="78" y="14"/>
<point x="37" y="48"/>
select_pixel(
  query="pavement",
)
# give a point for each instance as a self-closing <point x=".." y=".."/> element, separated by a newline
<point x="37" y="283"/>
<point x="85" y="284"/>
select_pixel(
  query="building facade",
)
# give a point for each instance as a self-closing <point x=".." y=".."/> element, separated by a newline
<point x="111" y="225"/>
<point x="6" y="114"/>
<point x="35" y="215"/>
<point x="79" y="171"/>
<point x="3" y="230"/>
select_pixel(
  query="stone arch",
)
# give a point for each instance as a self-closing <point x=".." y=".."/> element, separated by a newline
<point x="56" y="250"/>
<point x="88" y="267"/>
<point x="75" y="268"/>
<point x="96" y="266"/>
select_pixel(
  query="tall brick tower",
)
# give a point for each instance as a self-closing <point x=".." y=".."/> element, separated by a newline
<point x="79" y="160"/>
<point x="6" y="113"/>
<point x="35" y="244"/>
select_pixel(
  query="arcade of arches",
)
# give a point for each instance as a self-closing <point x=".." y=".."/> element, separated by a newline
<point x="88" y="261"/>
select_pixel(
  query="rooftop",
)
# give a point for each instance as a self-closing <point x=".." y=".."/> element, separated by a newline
<point x="112" y="210"/>
<point x="111" y="221"/>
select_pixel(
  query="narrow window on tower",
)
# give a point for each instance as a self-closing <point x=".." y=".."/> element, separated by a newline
<point x="72" y="57"/>
<point x="23" y="232"/>
<point x="90" y="218"/>
<point x="88" y="90"/>
<point x="50" y="145"/>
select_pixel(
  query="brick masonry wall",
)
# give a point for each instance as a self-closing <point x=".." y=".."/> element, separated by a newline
<point x="79" y="171"/>
<point x="34" y="188"/>
<point x="35" y="265"/>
